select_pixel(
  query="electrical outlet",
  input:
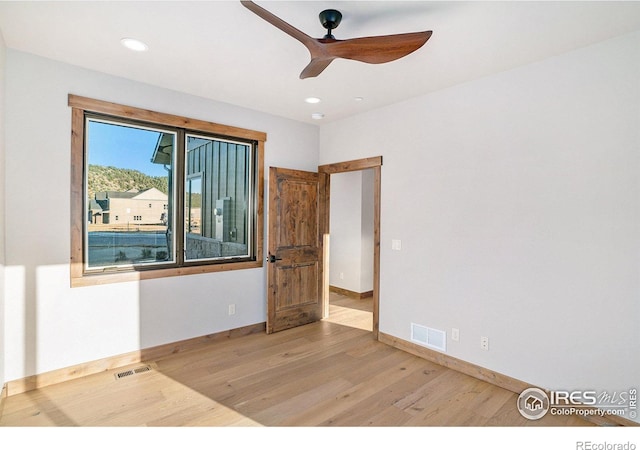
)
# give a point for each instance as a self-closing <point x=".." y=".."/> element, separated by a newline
<point x="484" y="343"/>
<point x="396" y="244"/>
<point x="455" y="334"/>
<point x="232" y="309"/>
<point x="342" y="275"/>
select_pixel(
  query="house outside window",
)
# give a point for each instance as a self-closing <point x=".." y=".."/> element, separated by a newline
<point x="160" y="198"/>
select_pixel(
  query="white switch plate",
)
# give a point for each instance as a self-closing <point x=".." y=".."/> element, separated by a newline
<point x="396" y="244"/>
<point x="455" y="334"/>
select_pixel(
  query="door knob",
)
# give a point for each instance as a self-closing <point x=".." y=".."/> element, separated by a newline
<point x="273" y="259"/>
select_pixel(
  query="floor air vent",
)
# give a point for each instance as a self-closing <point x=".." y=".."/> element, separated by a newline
<point x="130" y="372"/>
<point x="429" y="337"/>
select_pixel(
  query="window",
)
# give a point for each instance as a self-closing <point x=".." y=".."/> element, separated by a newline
<point x="185" y="195"/>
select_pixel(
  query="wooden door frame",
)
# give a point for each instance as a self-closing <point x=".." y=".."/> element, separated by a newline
<point x="325" y="172"/>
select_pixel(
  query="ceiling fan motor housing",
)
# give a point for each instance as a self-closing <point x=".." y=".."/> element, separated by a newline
<point x="330" y="19"/>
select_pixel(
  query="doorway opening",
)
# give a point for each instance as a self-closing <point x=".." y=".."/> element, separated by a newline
<point x="351" y="224"/>
<point x="351" y="249"/>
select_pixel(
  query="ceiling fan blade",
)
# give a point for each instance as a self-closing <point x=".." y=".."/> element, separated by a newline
<point x="315" y="67"/>
<point x="376" y="49"/>
<point x="281" y="24"/>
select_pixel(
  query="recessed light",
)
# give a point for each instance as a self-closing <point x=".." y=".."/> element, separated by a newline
<point x="312" y="100"/>
<point x="358" y="99"/>
<point x="317" y="116"/>
<point x="134" y="44"/>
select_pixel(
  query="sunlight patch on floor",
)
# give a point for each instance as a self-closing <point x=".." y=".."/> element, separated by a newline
<point x="346" y="316"/>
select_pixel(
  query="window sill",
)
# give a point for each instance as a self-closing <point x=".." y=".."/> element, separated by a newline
<point x="82" y="280"/>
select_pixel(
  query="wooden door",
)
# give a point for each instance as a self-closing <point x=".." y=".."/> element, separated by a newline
<point x="295" y="286"/>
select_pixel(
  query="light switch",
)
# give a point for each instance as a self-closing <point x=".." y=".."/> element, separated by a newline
<point x="396" y="244"/>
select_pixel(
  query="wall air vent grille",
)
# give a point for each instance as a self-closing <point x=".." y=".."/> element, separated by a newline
<point x="429" y="337"/>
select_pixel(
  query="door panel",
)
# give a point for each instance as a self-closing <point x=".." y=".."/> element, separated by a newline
<point x="295" y="249"/>
<point x="299" y="224"/>
<point x="295" y="286"/>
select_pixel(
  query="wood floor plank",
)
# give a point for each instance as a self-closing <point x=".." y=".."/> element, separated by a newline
<point x="330" y="373"/>
<point x="343" y="409"/>
<point x="383" y="392"/>
<point x="277" y="414"/>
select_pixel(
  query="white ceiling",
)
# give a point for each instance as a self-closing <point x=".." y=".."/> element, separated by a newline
<point x="222" y="51"/>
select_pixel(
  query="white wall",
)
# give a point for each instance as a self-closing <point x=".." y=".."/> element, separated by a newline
<point x="48" y="324"/>
<point x="351" y="253"/>
<point x="345" y="215"/>
<point x="2" y="211"/>
<point x="366" y="232"/>
<point x="516" y="198"/>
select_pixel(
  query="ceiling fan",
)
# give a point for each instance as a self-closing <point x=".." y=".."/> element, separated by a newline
<point x="372" y="50"/>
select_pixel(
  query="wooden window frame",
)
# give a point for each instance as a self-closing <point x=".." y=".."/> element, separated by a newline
<point x="80" y="106"/>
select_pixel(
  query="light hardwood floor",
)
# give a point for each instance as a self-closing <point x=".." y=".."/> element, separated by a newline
<point x="331" y="373"/>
